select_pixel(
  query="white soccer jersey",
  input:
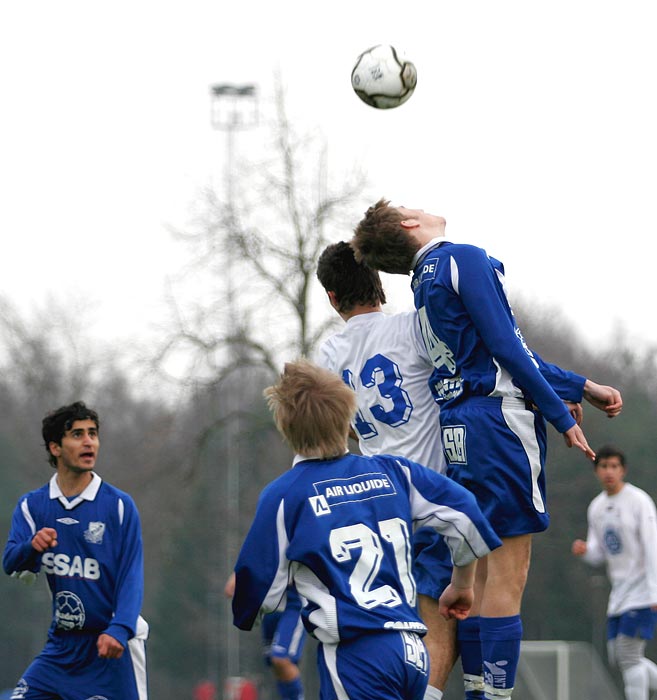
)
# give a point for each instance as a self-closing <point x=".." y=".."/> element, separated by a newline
<point x="382" y="357"/>
<point x="622" y="533"/>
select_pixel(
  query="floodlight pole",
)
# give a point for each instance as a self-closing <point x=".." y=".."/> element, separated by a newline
<point x="233" y="108"/>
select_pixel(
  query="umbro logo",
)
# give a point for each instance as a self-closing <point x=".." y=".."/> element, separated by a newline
<point x="68" y="521"/>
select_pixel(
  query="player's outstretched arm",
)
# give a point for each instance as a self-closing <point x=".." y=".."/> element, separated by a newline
<point x="606" y="398"/>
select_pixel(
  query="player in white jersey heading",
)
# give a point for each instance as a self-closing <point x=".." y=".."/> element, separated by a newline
<point x="382" y="357"/>
<point x="85" y="536"/>
<point x="622" y="534"/>
<point x="495" y="396"/>
<point x="337" y="526"/>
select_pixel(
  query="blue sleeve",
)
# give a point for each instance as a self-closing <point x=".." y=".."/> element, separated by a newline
<point x="19" y="555"/>
<point x="261" y="571"/>
<point x="129" y="589"/>
<point x="483" y="297"/>
<point x="567" y="385"/>
<point x="441" y="503"/>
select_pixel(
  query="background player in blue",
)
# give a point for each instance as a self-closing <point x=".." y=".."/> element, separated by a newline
<point x="495" y="394"/>
<point x="283" y="639"/>
<point x="622" y="534"/>
<point x="85" y="535"/>
<point x="382" y="357"/>
<point x="338" y="527"/>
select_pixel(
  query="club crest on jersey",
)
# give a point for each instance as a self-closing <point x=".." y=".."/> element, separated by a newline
<point x="94" y="533"/>
<point x="335" y="492"/>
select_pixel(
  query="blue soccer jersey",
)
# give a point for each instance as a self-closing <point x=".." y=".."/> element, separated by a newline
<point x="95" y="572"/>
<point x="472" y="337"/>
<point x="95" y="575"/>
<point x="340" y="530"/>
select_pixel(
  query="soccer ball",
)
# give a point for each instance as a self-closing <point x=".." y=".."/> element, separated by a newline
<point x="383" y="77"/>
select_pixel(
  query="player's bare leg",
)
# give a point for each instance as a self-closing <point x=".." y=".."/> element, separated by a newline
<point x="440" y="641"/>
<point x="288" y="678"/>
<point x="500" y="627"/>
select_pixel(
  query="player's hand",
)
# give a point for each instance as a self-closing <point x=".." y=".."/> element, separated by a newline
<point x="229" y="588"/>
<point x="606" y="398"/>
<point x="45" y="539"/>
<point x="576" y="411"/>
<point x="578" y="548"/>
<point x="108" y="647"/>
<point x="455" y="603"/>
<point x="574" y="437"/>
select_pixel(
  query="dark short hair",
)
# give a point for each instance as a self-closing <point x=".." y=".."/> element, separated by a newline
<point x="57" y="422"/>
<point x="607" y="451"/>
<point x="353" y="283"/>
<point x="382" y="242"/>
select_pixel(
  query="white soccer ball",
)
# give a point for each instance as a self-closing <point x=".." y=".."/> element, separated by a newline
<point x="383" y="77"/>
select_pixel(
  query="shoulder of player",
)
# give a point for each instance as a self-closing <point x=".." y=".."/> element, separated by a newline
<point x="108" y="491"/>
<point x="637" y="493"/>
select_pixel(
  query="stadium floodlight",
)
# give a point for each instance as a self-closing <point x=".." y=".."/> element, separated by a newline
<point x="234" y="106"/>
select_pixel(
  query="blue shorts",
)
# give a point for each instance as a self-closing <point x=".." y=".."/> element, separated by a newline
<point x="633" y="623"/>
<point x="432" y="562"/>
<point x="283" y="635"/>
<point x="499" y="455"/>
<point x="68" y="668"/>
<point x="379" y="666"/>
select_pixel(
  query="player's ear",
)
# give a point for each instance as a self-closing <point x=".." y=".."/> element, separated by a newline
<point x="333" y="299"/>
<point x="55" y="449"/>
<point x="409" y="223"/>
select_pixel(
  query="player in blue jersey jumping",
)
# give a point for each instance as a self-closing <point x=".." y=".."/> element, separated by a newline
<point x="338" y="526"/>
<point x="85" y="536"/>
<point x="495" y="395"/>
<point x="382" y="357"/>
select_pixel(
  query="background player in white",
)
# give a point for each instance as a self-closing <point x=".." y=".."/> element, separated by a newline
<point x="622" y="533"/>
<point x="85" y="535"/>
<point x="382" y="357"/>
<point x="495" y="395"/>
<point x="338" y="527"/>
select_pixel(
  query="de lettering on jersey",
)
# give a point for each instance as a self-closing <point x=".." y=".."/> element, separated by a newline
<point x="61" y="564"/>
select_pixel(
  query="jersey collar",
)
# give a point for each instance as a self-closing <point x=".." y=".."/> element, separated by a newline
<point x="433" y="243"/>
<point x="89" y="494"/>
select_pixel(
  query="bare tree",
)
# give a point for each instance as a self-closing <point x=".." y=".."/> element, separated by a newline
<point x="253" y="256"/>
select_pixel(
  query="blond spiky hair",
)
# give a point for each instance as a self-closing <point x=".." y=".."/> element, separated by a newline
<point x="312" y="409"/>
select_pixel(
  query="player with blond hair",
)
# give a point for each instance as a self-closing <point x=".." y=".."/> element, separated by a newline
<point x="338" y="527"/>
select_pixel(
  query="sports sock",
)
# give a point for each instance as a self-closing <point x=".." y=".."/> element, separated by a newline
<point x="652" y="672"/>
<point x="433" y="693"/>
<point x="635" y="680"/>
<point x="500" y="650"/>
<point x="290" y="690"/>
<point x="470" y="649"/>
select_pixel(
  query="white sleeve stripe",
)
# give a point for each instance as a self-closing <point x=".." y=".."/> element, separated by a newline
<point x="121" y="510"/>
<point x="461" y="534"/>
<point x="25" y="509"/>
<point x="278" y="586"/>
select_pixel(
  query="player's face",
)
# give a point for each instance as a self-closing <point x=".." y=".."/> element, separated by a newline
<point x="610" y="473"/>
<point x="79" y="447"/>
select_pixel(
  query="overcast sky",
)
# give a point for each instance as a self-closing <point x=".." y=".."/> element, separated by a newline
<point x="532" y="130"/>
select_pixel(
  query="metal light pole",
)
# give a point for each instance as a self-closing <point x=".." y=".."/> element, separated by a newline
<point x="233" y="108"/>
